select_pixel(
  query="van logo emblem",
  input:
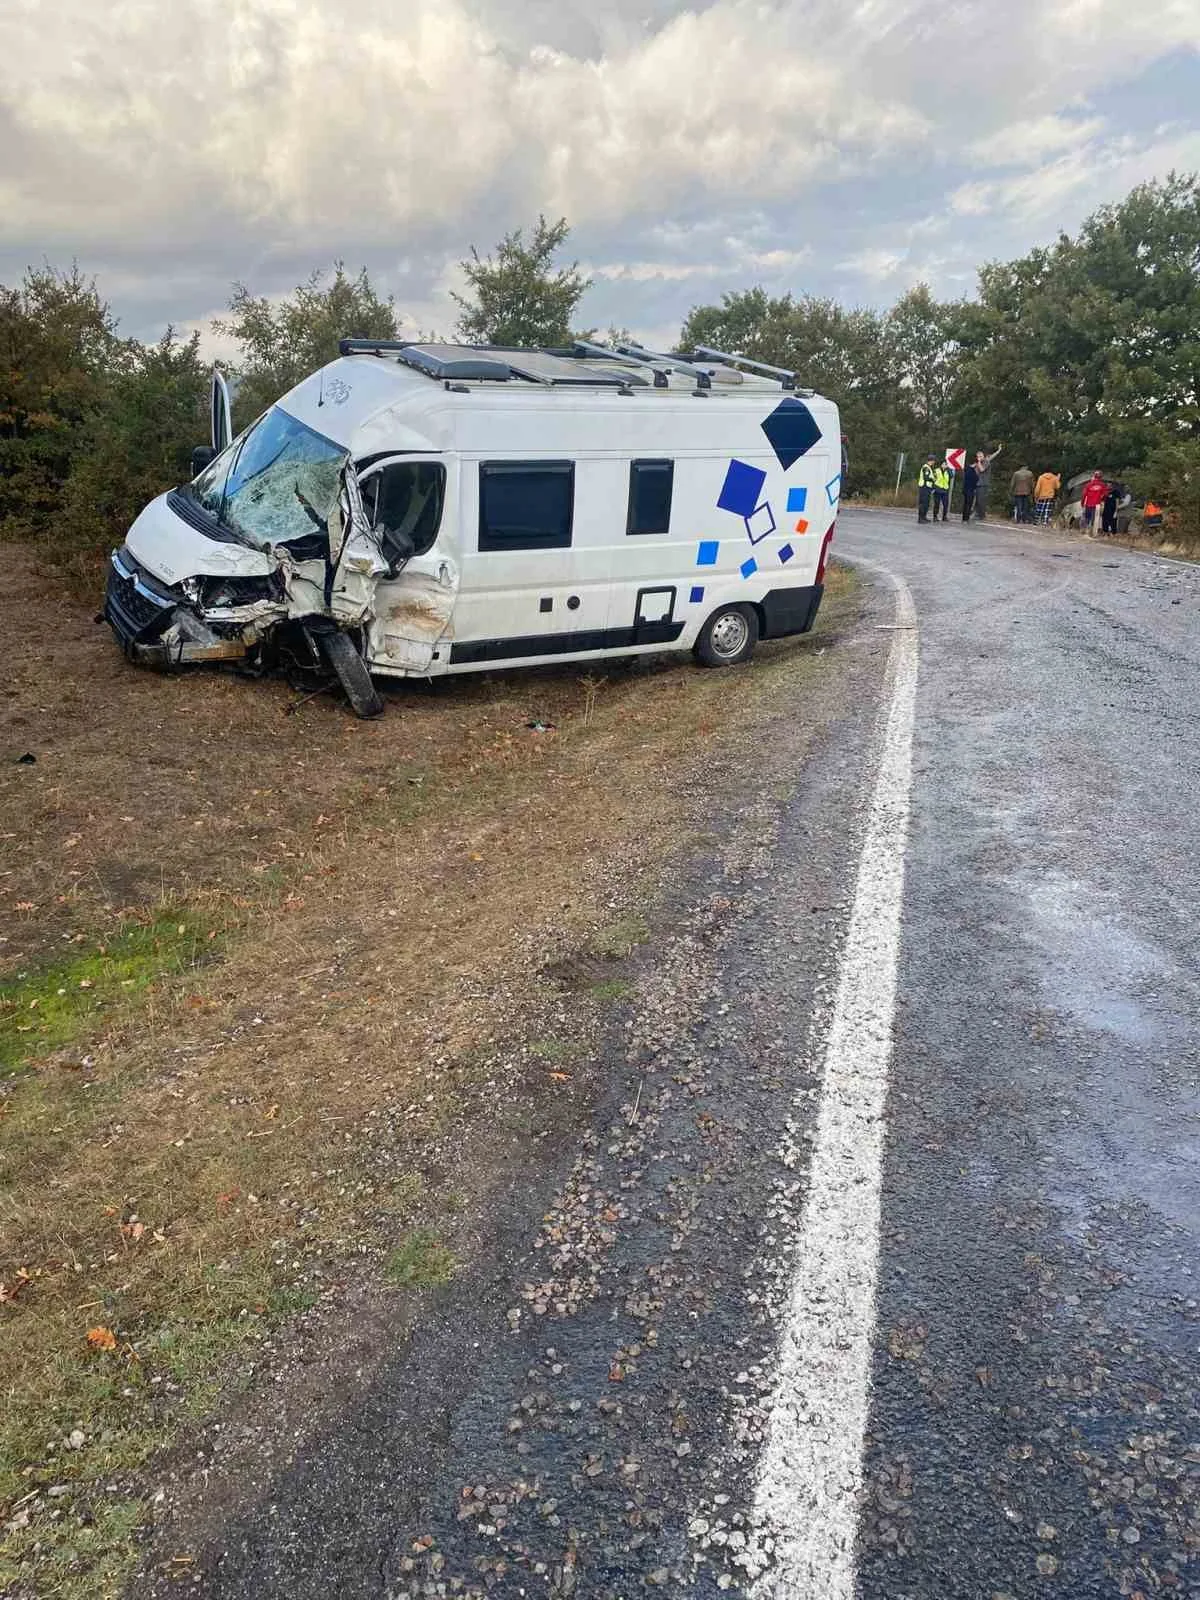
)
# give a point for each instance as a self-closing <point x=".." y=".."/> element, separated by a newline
<point x="337" y="391"/>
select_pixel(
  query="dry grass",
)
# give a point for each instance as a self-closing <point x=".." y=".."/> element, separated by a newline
<point x="174" y="1162"/>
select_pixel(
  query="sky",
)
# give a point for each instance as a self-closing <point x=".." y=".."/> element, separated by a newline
<point x="836" y="147"/>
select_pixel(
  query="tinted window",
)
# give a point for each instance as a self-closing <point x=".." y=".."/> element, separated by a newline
<point x="525" y="505"/>
<point x="405" y="497"/>
<point x="650" y="485"/>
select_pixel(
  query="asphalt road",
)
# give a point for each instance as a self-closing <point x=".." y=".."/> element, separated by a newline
<point x="1034" y="1425"/>
<point x="901" y="1141"/>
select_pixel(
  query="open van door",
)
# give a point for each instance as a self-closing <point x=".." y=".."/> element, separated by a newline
<point x="220" y="411"/>
<point x="406" y="500"/>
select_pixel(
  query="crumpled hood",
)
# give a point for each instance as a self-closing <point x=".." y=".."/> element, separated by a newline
<point x="172" y="550"/>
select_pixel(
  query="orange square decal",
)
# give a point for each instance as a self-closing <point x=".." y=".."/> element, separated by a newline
<point x="802" y="525"/>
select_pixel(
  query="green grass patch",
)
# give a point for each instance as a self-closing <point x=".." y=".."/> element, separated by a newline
<point x="611" y="989"/>
<point x="557" y="1052"/>
<point x="421" y="1261"/>
<point x="47" y="1009"/>
<point x="620" y="939"/>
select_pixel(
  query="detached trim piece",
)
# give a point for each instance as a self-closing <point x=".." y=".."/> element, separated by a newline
<point x="788" y="611"/>
<point x="559" y="644"/>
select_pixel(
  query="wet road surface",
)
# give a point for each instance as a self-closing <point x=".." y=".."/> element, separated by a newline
<point x="1034" y="1424"/>
<point x="643" y="1394"/>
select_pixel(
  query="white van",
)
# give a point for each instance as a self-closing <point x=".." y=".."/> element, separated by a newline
<point x="418" y="509"/>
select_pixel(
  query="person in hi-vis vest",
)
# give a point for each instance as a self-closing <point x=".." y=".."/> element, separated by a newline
<point x="926" y="483"/>
<point x="941" y="491"/>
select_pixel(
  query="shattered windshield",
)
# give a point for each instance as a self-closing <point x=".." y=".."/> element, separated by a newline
<point x="279" y="480"/>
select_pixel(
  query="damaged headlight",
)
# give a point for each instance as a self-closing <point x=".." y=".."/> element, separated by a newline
<point x="213" y="594"/>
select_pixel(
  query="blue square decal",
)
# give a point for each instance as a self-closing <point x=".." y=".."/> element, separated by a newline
<point x="697" y="594"/>
<point x="749" y="568"/>
<point x="797" y="500"/>
<point x="742" y="489"/>
<point x="706" y="555"/>
<point x="786" y="553"/>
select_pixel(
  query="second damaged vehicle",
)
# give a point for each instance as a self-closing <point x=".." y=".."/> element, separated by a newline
<point x="418" y="509"/>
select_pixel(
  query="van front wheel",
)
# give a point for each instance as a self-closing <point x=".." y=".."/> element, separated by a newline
<point x="351" y="672"/>
<point x="729" y="636"/>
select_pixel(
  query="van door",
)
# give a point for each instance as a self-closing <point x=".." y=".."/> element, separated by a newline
<point x="407" y="501"/>
<point x="220" y="407"/>
<point x="536" y="559"/>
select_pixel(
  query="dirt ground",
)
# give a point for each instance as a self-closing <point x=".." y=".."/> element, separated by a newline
<point x="243" y="932"/>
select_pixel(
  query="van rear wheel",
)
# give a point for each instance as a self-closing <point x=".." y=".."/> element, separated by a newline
<point x="729" y="636"/>
<point x="351" y="671"/>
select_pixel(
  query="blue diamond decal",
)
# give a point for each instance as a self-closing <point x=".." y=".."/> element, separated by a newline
<point x="706" y="555"/>
<point x="742" y="488"/>
<point x="749" y="568"/>
<point x="797" y="500"/>
<point x="786" y="553"/>
<point x="697" y="594"/>
<point x="792" y="430"/>
<point x="834" y="488"/>
<point x="761" y="525"/>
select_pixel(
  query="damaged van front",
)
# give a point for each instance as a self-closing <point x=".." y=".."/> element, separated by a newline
<point x="266" y="534"/>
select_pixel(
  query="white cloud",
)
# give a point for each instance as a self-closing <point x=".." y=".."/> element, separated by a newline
<point x="375" y="117"/>
<point x="694" y="144"/>
<point x="875" y="263"/>
<point x="1078" y="181"/>
<point x="1032" y="140"/>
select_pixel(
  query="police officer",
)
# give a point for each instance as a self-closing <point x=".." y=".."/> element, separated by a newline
<point x="941" y="491"/>
<point x="926" y="483"/>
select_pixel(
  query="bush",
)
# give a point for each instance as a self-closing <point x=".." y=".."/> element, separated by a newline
<point x="1172" y="477"/>
<point x="136" y="442"/>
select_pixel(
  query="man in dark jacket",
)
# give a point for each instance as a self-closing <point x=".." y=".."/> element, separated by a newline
<point x="1022" y="493"/>
<point x="1113" y="500"/>
<point x="970" y="485"/>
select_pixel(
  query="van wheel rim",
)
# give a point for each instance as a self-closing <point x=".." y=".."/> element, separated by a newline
<point x="729" y="633"/>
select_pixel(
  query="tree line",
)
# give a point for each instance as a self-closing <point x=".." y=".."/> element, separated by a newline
<point x="1084" y="353"/>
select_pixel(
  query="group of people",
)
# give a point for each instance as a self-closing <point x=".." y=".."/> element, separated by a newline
<point x="933" y="487"/>
<point x="1032" y="497"/>
<point x="1033" y="500"/>
<point x="1105" y="495"/>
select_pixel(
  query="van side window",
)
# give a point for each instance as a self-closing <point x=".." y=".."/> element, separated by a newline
<point x="650" y="485"/>
<point x="526" y="505"/>
<point x="405" y="497"/>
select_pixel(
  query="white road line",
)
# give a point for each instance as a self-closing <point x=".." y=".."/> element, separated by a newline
<point x="805" y="1516"/>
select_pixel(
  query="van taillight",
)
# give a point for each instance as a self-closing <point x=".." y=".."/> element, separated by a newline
<point x="828" y="540"/>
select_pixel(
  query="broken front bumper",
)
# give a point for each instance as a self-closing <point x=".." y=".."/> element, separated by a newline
<point x="154" y="625"/>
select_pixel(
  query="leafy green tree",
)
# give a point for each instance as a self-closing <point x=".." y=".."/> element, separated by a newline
<point x="842" y="353"/>
<point x="136" y="442"/>
<point x="57" y="341"/>
<point x="517" y="296"/>
<point x="919" y="334"/>
<point x="283" y="341"/>
<point x="1087" y="353"/>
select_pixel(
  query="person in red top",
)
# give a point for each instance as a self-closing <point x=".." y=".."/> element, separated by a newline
<point x="1094" y="491"/>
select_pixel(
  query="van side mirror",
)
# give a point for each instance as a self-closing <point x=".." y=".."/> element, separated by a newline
<point x="202" y="455"/>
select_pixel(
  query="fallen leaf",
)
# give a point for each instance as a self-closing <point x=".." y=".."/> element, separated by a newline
<point x="102" y="1338"/>
<point x="271" y="1113"/>
<point x="560" y="1077"/>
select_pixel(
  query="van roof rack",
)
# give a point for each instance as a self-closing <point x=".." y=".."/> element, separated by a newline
<point x="459" y="363"/>
<point x="638" y="352"/>
<point x="608" y="353"/>
<point x="787" y="379"/>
